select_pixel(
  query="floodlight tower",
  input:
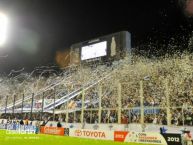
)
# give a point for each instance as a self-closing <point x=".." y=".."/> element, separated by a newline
<point x="3" y="28"/>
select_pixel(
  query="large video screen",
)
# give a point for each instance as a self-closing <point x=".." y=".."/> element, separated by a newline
<point x="94" y="50"/>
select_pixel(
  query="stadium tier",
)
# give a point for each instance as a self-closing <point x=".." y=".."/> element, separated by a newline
<point x="146" y="91"/>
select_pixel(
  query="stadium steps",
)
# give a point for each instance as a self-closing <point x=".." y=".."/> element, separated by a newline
<point x="60" y="101"/>
<point x="65" y="98"/>
<point x="72" y="94"/>
<point x="18" y="102"/>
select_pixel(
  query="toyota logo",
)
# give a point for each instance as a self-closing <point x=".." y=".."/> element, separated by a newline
<point x="78" y="132"/>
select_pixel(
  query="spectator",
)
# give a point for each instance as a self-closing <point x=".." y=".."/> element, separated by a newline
<point x="59" y="124"/>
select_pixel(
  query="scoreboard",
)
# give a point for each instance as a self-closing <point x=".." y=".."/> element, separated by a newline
<point x="105" y="48"/>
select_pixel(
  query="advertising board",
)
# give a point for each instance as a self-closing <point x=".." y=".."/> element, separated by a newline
<point x="52" y="130"/>
<point x="173" y="139"/>
<point x="93" y="134"/>
<point x="139" y="137"/>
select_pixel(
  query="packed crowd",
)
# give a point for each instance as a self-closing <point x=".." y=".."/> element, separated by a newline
<point x="166" y="83"/>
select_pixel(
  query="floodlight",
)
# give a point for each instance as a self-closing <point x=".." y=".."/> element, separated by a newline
<point x="3" y="28"/>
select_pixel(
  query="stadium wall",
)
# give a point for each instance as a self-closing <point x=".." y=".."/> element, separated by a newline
<point x="147" y="136"/>
<point x="123" y="127"/>
<point x="115" y="127"/>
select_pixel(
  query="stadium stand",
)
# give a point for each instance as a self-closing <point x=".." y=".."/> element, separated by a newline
<point x="164" y="86"/>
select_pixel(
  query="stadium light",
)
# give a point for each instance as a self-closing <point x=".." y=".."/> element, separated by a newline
<point x="3" y="28"/>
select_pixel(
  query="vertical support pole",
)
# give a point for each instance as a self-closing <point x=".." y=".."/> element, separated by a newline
<point x="129" y="115"/>
<point x="109" y="112"/>
<point x="183" y="115"/>
<point x="74" y="117"/>
<point x="22" y="103"/>
<point x="6" y="105"/>
<point x="168" y="102"/>
<point x="54" y="95"/>
<point x="82" y="110"/>
<point x="141" y="102"/>
<point x="14" y="104"/>
<point x="67" y="111"/>
<point x="42" y="106"/>
<point x="32" y="101"/>
<point x="119" y="102"/>
<point x="100" y="100"/>
<point x="91" y="111"/>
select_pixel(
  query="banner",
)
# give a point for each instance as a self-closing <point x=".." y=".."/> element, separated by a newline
<point x="146" y="111"/>
<point x="146" y="137"/>
<point x="173" y="139"/>
<point x="52" y="130"/>
<point x="14" y="126"/>
<point x="93" y="134"/>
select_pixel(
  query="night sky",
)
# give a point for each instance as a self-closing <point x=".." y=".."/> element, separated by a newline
<point x="40" y="28"/>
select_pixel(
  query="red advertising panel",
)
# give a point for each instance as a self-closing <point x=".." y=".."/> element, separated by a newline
<point x="52" y="130"/>
<point x="120" y="136"/>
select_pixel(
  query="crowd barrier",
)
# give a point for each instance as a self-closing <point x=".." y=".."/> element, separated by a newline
<point x="147" y="137"/>
<point x="116" y="127"/>
<point x="14" y="128"/>
<point x="124" y="127"/>
<point x="120" y="136"/>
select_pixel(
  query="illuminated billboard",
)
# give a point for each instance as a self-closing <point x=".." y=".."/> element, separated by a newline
<point x="94" y="50"/>
<point x="102" y="49"/>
